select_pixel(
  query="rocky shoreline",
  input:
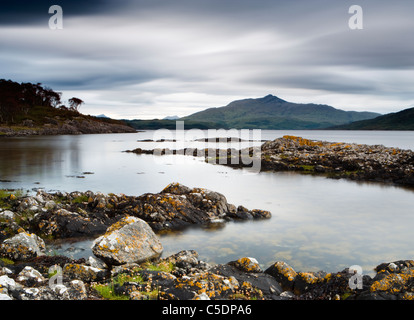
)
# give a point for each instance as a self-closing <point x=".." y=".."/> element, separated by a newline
<point x="127" y="262"/>
<point x="359" y="162"/>
<point x="74" y="126"/>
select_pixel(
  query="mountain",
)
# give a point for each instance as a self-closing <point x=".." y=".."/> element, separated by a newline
<point x="171" y="118"/>
<point x="102" y="116"/>
<point x="402" y="120"/>
<point x="271" y="112"/>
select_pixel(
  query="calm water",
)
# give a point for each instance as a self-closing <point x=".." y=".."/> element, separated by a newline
<point x="316" y="223"/>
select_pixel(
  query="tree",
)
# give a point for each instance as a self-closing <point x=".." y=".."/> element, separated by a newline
<point x="75" y="103"/>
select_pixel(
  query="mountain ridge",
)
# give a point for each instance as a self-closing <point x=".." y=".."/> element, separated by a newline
<point x="272" y="112"/>
<point x="401" y="120"/>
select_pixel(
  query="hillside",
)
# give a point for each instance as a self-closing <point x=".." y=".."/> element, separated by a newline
<point x="271" y="112"/>
<point x="30" y="109"/>
<point x="402" y="120"/>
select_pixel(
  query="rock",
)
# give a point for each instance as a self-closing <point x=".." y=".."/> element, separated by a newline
<point x="97" y="263"/>
<point x="212" y="285"/>
<point x="305" y="281"/>
<point x="22" y="246"/>
<point x="7" y="283"/>
<point x="83" y="272"/>
<point x="74" y="290"/>
<point x="246" y="265"/>
<point x="265" y="283"/>
<point x="4" y="296"/>
<point x="176" y="188"/>
<point x="283" y="273"/>
<point x="339" y="160"/>
<point x="63" y="223"/>
<point x="30" y="276"/>
<point x="7" y="215"/>
<point x="129" y="240"/>
<point x="184" y="259"/>
<point x="28" y="203"/>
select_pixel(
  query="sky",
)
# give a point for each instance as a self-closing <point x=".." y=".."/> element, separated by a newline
<point x="145" y="59"/>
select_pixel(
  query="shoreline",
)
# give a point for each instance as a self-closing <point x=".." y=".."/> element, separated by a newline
<point x="115" y="272"/>
<point x="337" y="160"/>
<point x="74" y="126"/>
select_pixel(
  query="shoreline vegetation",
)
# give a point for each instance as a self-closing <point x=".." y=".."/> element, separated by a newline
<point x="28" y="109"/>
<point x="127" y="262"/>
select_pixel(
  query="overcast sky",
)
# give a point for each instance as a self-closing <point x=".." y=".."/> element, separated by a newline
<point x="146" y="59"/>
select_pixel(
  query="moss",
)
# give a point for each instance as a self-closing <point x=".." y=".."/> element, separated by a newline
<point x="163" y="266"/>
<point x="80" y="199"/>
<point x="6" y="261"/>
<point x="307" y="168"/>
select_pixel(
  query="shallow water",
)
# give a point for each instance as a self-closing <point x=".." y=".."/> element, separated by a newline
<point x="317" y="223"/>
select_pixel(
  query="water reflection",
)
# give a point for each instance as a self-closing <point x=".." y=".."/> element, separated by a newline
<point x="316" y="223"/>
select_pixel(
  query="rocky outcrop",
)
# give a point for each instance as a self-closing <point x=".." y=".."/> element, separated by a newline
<point x="361" y="162"/>
<point x="127" y="241"/>
<point x="86" y="214"/>
<point x="183" y="276"/>
<point x="340" y="160"/>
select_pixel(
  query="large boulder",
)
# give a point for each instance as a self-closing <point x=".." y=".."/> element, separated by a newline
<point x="128" y="240"/>
<point x="22" y="246"/>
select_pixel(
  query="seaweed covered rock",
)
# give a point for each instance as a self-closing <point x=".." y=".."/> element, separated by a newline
<point x="129" y="240"/>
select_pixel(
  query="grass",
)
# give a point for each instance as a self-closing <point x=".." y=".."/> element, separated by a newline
<point x="107" y="290"/>
<point x="7" y="196"/>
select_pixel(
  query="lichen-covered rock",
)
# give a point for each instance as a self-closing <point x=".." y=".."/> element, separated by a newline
<point x="83" y="272"/>
<point x="264" y="284"/>
<point x="212" y="285"/>
<point x="22" y="246"/>
<point x="283" y="273"/>
<point x="30" y="276"/>
<point x="129" y="240"/>
<point x="394" y="278"/>
<point x="63" y="223"/>
<point x="305" y="281"/>
<point x="247" y="264"/>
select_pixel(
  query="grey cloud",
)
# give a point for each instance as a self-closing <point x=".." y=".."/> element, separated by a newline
<point x="210" y="49"/>
<point x="29" y="12"/>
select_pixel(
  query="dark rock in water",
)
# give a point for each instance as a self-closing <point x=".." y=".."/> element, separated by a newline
<point x="63" y="223"/>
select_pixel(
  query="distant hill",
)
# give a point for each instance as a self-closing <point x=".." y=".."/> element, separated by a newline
<point x="402" y="120"/>
<point x="171" y="124"/>
<point x="171" y="118"/>
<point x="271" y="112"/>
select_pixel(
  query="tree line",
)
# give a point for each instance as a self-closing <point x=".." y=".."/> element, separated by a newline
<point x="18" y="99"/>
